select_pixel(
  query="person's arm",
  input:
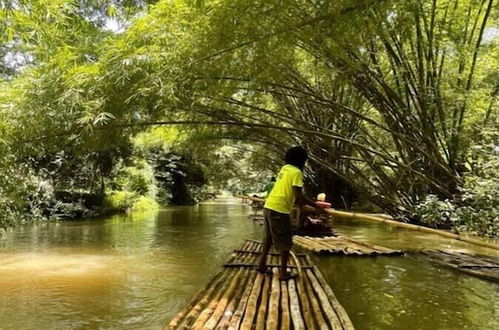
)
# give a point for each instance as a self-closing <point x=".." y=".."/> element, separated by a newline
<point x="302" y="200"/>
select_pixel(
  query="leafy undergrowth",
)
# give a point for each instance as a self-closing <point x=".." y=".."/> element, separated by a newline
<point x="476" y="208"/>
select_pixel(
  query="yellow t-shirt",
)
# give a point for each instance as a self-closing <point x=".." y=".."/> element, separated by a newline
<point x="282" y="197"/>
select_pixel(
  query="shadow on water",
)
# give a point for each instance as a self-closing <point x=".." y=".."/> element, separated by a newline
<point x="136" y="271"/>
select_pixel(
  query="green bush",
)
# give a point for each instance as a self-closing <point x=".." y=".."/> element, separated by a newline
<point x="144" y="203"/>
<point x="434" y="212"/>
<point x="476" y="208"/>
<point x="121" y="200"/>
<point x="138" y="178"/>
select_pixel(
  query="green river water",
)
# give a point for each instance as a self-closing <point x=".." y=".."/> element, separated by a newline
<point x="136" y="271"/>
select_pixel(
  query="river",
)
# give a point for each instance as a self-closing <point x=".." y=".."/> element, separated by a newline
<point x="136" y="271"/>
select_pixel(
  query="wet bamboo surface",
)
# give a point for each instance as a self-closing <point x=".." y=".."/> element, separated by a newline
<point x="340" y="245"/>
<point x="239" y="297"/>
<point x="479" y="266"/>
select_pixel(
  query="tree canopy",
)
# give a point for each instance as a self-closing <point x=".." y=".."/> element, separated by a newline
<point x="395" y="101"/>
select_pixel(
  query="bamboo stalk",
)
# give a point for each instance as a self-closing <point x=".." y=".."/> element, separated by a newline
<point x="196" y="310"/>
<point x="294" y="306"/>
<point x="251" y="306"/>
<point x="249" y="246"/>
<point x="273" y="308"/>
<point x="235" y="321"/>
<point x="323" y="246"/>
<point x="243" y="258"/>
<point x="342" y="314"/>
<point x="324" y="299"/>
<point x="241" y="252"/>
<point x="466" y="264"/>
<point x="285" y="316"/>
<point x="321" y="322"/>
<point x="212" y="305"/>
<point x="317" y="246"/>
<point x="253" y="265"/>
<point x="377" y="248"/>
<point x="188" y="307"/>
<point x="305" y="243"/>
<point x="246" y="245"/>
<point x="369" y="217"/>
<point x="224" y="301"/>
<point x="305" y="307"/>
<point x="260" y="318"/>
<point x="297" y="262"/>
<point x="231" y="306"/>
<point x="254" y="240"/>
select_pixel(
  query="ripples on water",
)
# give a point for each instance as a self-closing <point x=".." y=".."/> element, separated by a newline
<point x="136" y="271"/>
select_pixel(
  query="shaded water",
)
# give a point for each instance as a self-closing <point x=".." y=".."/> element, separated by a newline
<point x="136" y="271"/>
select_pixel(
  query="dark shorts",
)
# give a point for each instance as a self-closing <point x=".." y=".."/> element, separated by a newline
<point x="278" y="230"/>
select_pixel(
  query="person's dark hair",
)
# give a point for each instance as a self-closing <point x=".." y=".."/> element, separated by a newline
<point x="296" y="156"/>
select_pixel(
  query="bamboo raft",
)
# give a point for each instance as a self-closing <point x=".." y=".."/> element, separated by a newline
<point x="340" y="245"/>
<point x="479" y="266"/>
<point x="239" y="297"/>
<point x="384" y="219"/>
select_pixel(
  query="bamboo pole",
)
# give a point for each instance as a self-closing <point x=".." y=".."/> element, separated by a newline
<point x="196" y="310"/>
<point x="377" y="248"/>
<point x="365" y="216"/>
<point x="321" y="322"/>
<point x="188" y="307"/>
<point x="324" y="299"/>
<point x="285" y="317"/>
<point x="246" y="245"/>
<point x="294" y="306"/>
<point x="260" y="318"/>
<point x="273" y="308"/>
<point x="314" y="245"/>
<point x="306" y="244"/>
<point x="251" y="307"/>
<point x="466" y="264"/>
<point x="369" y="217"/>
<point x="222" y="305"/>
<point x="212" y="305"/>
<point x="306" y="311"/>
<point x="342" y="314"/>
<point x="323" y="246"/>
<point x="235" y="321"/>
<point x="231" y="306"/>
<point x="297" y="263"/>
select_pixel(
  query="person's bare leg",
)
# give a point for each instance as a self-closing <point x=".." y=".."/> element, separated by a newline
<point x="262" y="265"/>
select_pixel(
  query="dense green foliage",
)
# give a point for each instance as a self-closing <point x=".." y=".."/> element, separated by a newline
<point x="392" y="99"/>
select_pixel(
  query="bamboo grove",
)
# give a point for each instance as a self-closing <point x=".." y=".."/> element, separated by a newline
<point x="394" y="100"/>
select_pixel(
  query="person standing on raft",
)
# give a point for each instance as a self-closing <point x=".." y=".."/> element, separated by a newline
<point x="287" y="191"/>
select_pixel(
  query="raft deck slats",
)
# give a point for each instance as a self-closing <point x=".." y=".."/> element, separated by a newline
<point x="483" y="267"/>
<point x="340" y="245"/>
<point x="253" y="265"/>
<point x="270" y="253"/>
<point x="238" y="297"/>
